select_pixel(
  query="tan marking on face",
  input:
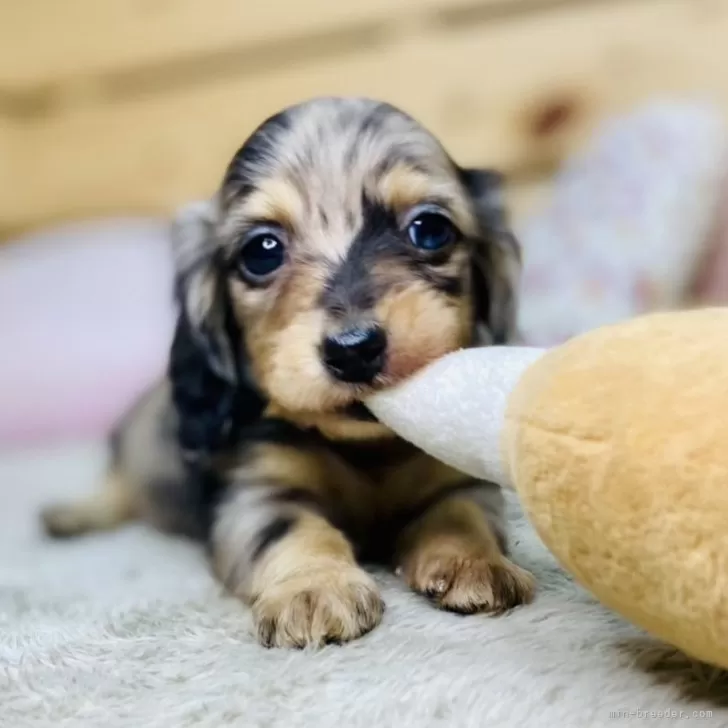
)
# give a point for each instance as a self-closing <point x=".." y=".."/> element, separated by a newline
<point x="297" y="293"/>
<point x="284" y="328"/>
<point x="403" y="188"/>
<point x="287" y="365"/>
<point x="276" y="199"/>
<point x="249" y="303"/>
<point x="422" y="326"/>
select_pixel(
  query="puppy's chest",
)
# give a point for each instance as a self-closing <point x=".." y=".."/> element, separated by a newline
<point x="391" y="478"/>
<point x="375" y="461"/>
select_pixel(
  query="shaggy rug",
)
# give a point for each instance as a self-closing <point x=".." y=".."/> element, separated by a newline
<point x="128" y="630"/>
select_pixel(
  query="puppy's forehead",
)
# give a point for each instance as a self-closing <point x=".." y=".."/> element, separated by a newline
<point x="316" y="163"/>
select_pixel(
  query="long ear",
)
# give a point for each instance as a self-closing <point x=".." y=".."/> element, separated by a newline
<point x="207" y="367"/>
<point x="496" y="259"/>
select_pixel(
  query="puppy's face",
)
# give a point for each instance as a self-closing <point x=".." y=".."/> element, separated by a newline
<point x="344" y="251"/>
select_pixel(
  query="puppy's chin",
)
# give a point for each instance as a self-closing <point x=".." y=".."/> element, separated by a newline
<point x="352" y="422"/>
<point x="358" y="411"/>
<point x="307" y="397"/>
<point x="334" y="409"/>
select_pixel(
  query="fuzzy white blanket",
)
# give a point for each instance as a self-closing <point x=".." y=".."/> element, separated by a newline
<point x="128" y="630"/>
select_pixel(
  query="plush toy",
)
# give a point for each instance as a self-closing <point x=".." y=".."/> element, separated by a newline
<point x="617" y="445"/>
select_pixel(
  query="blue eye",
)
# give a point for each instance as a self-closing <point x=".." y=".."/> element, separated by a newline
<point x="431" y="231"/>
<point x="262" y="255"/>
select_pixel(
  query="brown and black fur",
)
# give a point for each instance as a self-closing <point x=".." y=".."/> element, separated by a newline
<point x="251" y="445"/>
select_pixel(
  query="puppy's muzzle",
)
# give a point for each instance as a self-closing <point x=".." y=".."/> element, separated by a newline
<point x="356" y="355"/>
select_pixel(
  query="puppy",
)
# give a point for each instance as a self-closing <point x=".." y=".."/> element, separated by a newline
<point x="343" y="251"/>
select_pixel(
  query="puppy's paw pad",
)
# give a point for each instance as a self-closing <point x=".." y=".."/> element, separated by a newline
<point x="469" y="584"/>
<point x="317" y="609"/>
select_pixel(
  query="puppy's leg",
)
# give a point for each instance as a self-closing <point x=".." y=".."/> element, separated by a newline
<point x="144" y="459"/>
<point x="453" y="553"/>
<point x="274" y="545"/>
<point x="113" y="504"/>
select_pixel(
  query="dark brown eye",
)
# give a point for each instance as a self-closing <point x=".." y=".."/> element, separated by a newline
<point x="431" y="232"/>
<point x="262" y="255"/>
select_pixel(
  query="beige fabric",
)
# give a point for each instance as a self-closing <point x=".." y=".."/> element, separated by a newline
<point x="619" y="448"/>
<point x="128" y="630"/>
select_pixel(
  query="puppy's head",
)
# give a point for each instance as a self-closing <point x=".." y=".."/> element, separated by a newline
<point x="344" y="251"/>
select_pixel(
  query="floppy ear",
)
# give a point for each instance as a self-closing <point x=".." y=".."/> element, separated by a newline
<point x="211" y="392"/>
<point x="496" y="259"/>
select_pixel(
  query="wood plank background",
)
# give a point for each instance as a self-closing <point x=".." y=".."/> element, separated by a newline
<point x="134" y="106"/>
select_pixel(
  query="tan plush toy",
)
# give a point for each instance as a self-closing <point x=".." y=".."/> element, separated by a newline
<point x="617" y="445"/>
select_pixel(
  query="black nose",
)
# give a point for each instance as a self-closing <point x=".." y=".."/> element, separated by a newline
<point x="355" y="355"/>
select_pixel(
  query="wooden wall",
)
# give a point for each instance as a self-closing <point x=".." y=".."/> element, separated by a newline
<point x="133" y="106"/>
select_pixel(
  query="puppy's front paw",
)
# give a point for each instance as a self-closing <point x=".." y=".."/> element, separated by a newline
<point x="465" y="581"/>
<point x="329" y="605"/>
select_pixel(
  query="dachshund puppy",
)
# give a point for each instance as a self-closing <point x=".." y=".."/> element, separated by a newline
<point x="343" y="251"/>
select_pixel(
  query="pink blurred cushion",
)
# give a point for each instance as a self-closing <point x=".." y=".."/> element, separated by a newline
<point x="86" y="318"/>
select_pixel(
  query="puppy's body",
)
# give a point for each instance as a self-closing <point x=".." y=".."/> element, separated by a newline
<point x="343" y="251"/>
